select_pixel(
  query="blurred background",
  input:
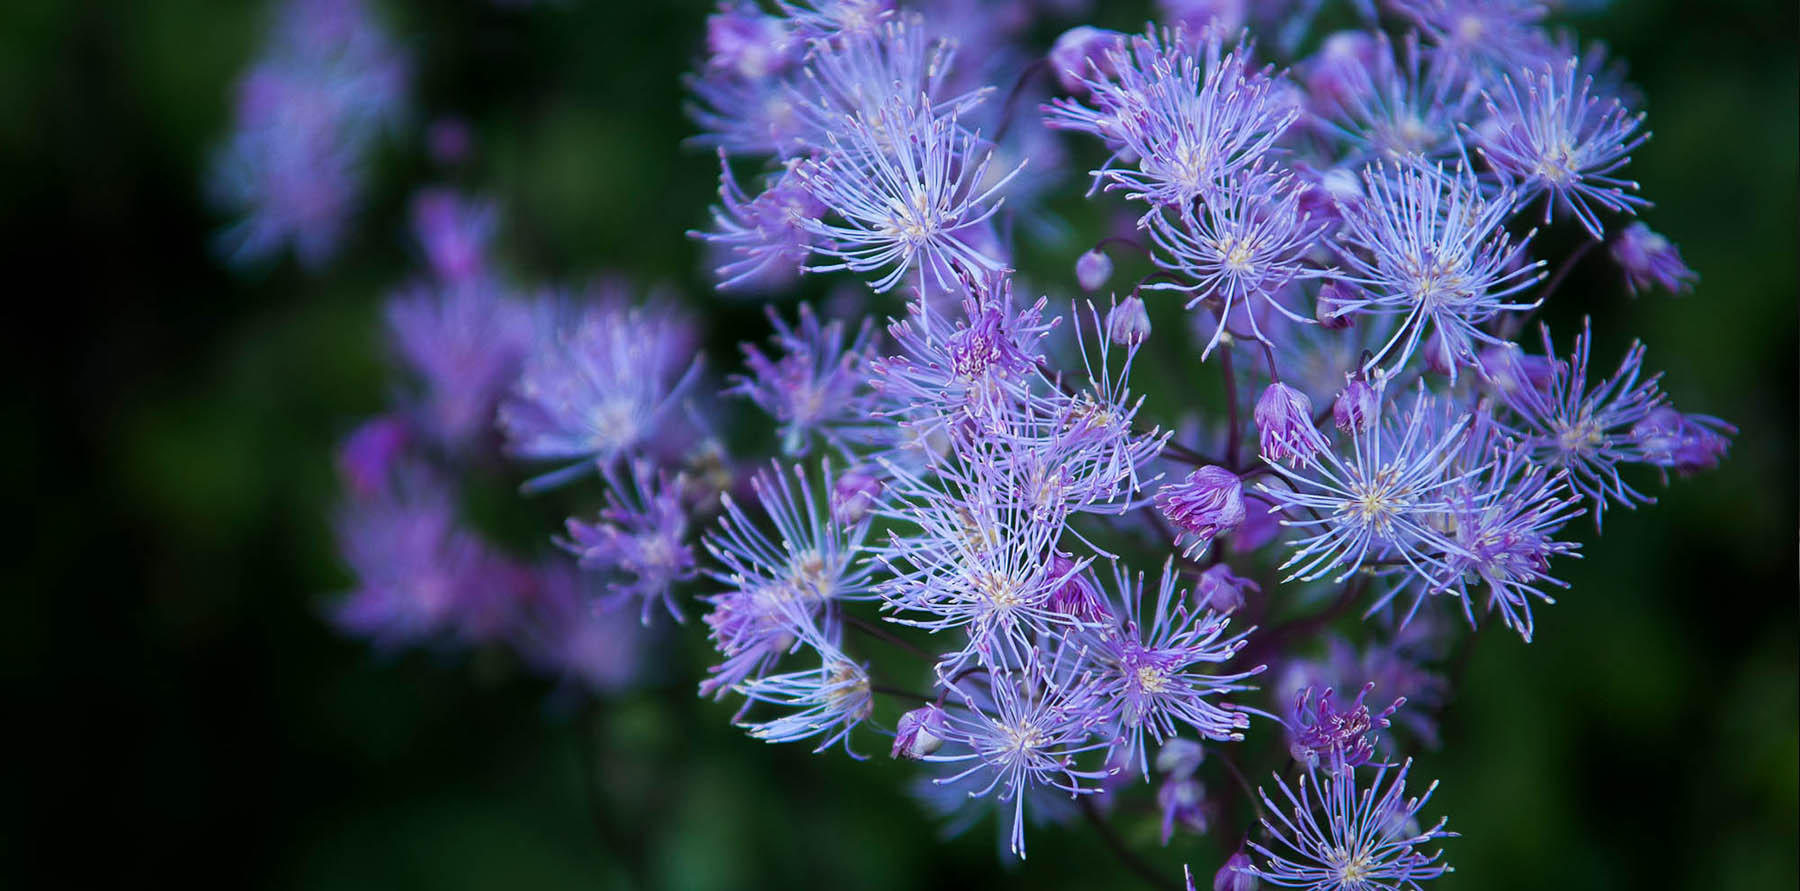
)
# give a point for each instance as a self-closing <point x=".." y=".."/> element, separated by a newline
<point x="184" y="714"/>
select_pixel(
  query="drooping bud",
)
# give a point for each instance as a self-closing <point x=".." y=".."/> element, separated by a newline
<point x="1092" y="269"/>
<point x="1284" y="420"/>
<point x="1649" y="259"/>
<point x="1684" y="443"/>
<point x="1127" y="324"/>
<point x="1238" y="874"/>
<point x="1221" y="590"/>
<point x="1335" y="309"/>
<point x="1209" y="501"/>
<point x="1073" y="595"/>
<point x="1081" y="52"/>
<point x="920" y="733"/>
<point x="1356" y="408"/>
<point x="852" y="494"/>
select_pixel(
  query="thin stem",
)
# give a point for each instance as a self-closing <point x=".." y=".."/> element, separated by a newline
<point x="898" y="693"/>
<point x="1012" y="97"/>
<point x="1132" y="861"/>
<point x="882" y="635"/>
<point x="1233" y="431"/>
<point x="1515" y="324"/>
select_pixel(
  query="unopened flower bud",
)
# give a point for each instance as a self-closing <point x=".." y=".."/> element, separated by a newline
<point x="1220" y="590"/>
<point x="1208" y="502"/>
<point x="1073" y="595"/>
<point x="1335" y="309"/>
<point x="1238" y="874"/>
<point x="1649" y="259"/>
<point x="1684" y="443"/>
<point x="1356" y="407"/>
<point x="1082" y="52"/>
<point x="920" y="733"/>
<point x="1092" y="269"/>
<point x="1284" y="420"/>
<point x="852" y="495"/>
<point x="1127" y="324"/>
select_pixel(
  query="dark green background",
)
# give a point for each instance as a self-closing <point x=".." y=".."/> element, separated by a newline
<point x="183" y="716"/>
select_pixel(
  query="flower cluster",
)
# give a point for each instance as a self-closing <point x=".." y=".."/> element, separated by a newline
<point x="943" y="555"/>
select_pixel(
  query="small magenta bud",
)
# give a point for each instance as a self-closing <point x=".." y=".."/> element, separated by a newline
<point x="1336" y="306"/>
<point x="852" y="495"/>
<point x="1081" y="52"/>
<point x="1649" y="259"/>
<point x="1356" y="407"/>
<point x="1220" y="590"/>
<point x="1073" y="596"/>
<point x="919" y="733"/>
<point x="1236" y="875"/>
<point x="1208" y="502"/>
<point x="1127" y="324"/>
<point x="1284" y="420"/>
<point x="1092" y="269"/>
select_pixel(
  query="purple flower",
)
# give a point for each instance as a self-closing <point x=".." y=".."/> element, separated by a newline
<point x="1349" y="838"/>
<point x="1185" y="124"/>
<point x="1246" y="238"/>
<point x="1150" y="669"/>
<point x="1394" y="104"/>
<point x="560" y="631"/>
<point x="417" y="570"/>
<point x="1649" y="259"/>
<point x="1319" y="735"/>
<point x="1284" y="423"/>
<point x="1378" y="503"/>
<point x="747" y="43"/>
<point x="1209" y="501"/>
<point x="639" y="543"/>
<point x="766" y="237"/>
<point x="977" y="369"/>
<point x="908" y="191"/>
<point x="464" y="343"/>
<point x="1480" y="36"/>
<point x="920" y="732"/>
<point x="1686" y="443"/>
<point x="816" y="382"/>
<point x="1428" y="244"/>
<point x="828" y="701"/>
<point x="1556" y="140"/>
<point x="853" y="495"/>
<point x="599" y="382"/>
<point x="308" y="113"/>
<point x="1180" y="757"/>
<point x="1220" y="590"/>
<point x="1502" y="523"/>
<point x="1587" y="431"/>
<point x="1025" y="731"/>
